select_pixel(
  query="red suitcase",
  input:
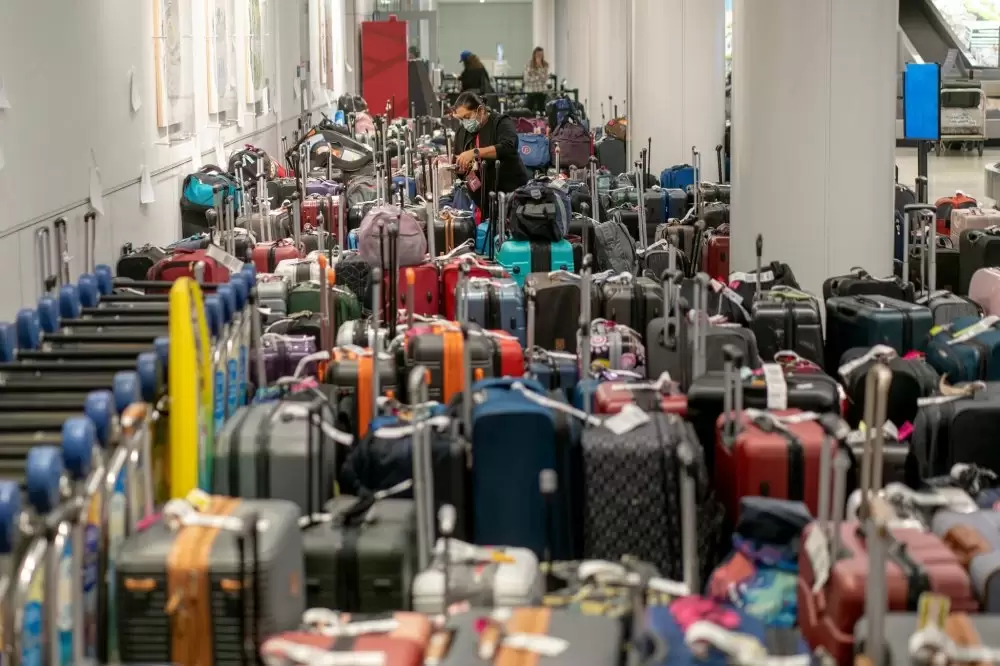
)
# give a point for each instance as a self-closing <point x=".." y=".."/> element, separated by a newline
<point x="426" y="294"/>
<point x="715" y="257"/>
<point x="267" y="254"/>
<point x="917" y="560"/>
<point x="611" y="397"/>
<point x="181" y="263"/>
<point x="449" y="279"/>
<point x="508" y="355"/>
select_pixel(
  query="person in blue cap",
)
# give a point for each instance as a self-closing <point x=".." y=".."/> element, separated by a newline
<point x="474" y="76"/>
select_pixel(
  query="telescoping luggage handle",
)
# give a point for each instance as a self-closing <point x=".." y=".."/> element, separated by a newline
<point x="43" y="259"/>
<point x="641" y="209"/>
<point x="700" y="325"/>
<point x="928" y="257"/>
<point x="696" y="165"/>
<point x="584" y="324"/>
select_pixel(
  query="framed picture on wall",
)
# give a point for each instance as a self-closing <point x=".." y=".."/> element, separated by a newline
<point x="323" y="59"/>
<point x="220" y="56"/>
<point x="173" y="97"/>
<point x="328" y="44"/>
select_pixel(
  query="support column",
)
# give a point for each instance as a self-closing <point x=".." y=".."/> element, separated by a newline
<point x="813" y="141"/>
<point x="543" y="27"/>
<point x="678" y="79"/>
<point x="578" y="46"/>
<point x="608" y="57"/>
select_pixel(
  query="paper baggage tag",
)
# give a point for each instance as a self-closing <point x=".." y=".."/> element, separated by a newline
<point x="232" y="264"/>
<point x="976" y="329"/>
<point x="777" y="388"/>
<point x="932" y="610"/>
<point x="883" y="352"/>
<point x="627" y="420"/>
<point x="765" y="276"/>
<point x="818" y="551"/>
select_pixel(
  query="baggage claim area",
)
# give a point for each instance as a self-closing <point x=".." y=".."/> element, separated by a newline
<point x="394" y="332"/>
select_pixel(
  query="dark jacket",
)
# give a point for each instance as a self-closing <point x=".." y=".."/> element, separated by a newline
<point x="498" y="131"/>
<point x="476" y="79"/>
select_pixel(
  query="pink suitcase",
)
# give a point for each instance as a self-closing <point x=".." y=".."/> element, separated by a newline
<point x="972" y="218"/>
<point x="984" y="290"/>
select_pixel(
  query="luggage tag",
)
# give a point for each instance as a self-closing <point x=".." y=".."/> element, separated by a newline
<point x="877" y="353"/>
<point x="742" y="649"/>
<point x="950" y="393"/>
<point x="627" y="420"/>
<point x="976" y="329"/>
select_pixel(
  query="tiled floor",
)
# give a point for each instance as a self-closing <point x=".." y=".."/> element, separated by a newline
<point x="953" y="171"/>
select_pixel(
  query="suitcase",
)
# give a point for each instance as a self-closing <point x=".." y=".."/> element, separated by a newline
<point x="630" y="301"/>
<point x="966" y="350"/>
<point x="296" y="271"/>
<point x="135" y="264"/>
<point x="977" y="249"/>
<point x="557" y="310"/>
<point x="519" y="258"/>
<point x="516" y="581"/>
<point x="317" y="211"/>
<point x="348" y="383"/>
<point x="656" y="258"/>
<point x="277" y="224"/>
<point x="182" y="263"/>
<point x="675" y="204"/>
<point x="663" y="395"/>
<point x="314" y="240"/>
<point x="441" y="351"/>
<point x="452" y="229"/>
<point x="616" y="347"/>
<point x="917" y="561"/>
<point x="669" y="339"/>
<point x="951" y="431"/>
<point x="912" y="380"/>
<point x="967" y="219"/>
<point x="589" y="641"/>
<point x="964" y="630"/>
<point x="283" y="353"/>
<point x="975" y="539"/>
<point x="636" y="478"/>
<point x="303" y="648"/>
<point x="679" y="177"/>
<point x="611" y="155"/>
<point x="682" y="236"/>
<point x="788" y="320"/>
<point x="715" y="255"/>
<point x="303" y="323"/>
<point x="496" y="304"/>
<point x="450" y="275"/>
<point x="267" y="255"/>
<point x="861" y="283"/>
<point x="984" y="290"/>
<point x="554" y="371"/>
<point x="769" y="454"/>
<point x="361" y="554"/>
<point x="264" y="451"/>
<point x="272" y="296"/>
<point x="426" y="290"/>
<point x="946" y="206"/>
<point x="198" y="570"/>
<point x="354" y="273"/>
<point x="866" y="321"/>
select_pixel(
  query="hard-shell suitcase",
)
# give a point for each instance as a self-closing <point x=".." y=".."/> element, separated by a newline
<point x="773" y="453"/>
<point x="263" y="451"/>
<point x="283" y="353"/>
<point x="977" y="249"/>
<point x="519" y="258"/>
<point x="272" y="296"/>
<point x="184" y="595"/>
<point x="946" y="206"/>
<point x="274" y="224"/>
<point x="715" y="255"/>
<point x="611" y="155"/>
<point x="975" y="539"/>
<point x="515" y="582"/>
<point x="786" y="320"/>
<point x="966" y="350"/>
<point x="441" y="351"/>
<point x="350" y="379"/>
<point x="832" y="600"/>
<point x="557" y="310"/>
<point x="630" y="301"/>
<point x="663" y="395"/>
<point x="453" y="228"/>
<point x="964" y="219"/>
<point x="294" y="271"/>
<point x="866" y="321"/>
<point x="984" y="290"/>
<point x="268" y="254"/>
<point x="182" y="263"/>
<point x="953" y="430"/>
<point x="497" y="304"/>
<point x="679" y="177"/>
<point x="426" y="290"/>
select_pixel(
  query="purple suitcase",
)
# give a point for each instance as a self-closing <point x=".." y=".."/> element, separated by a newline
<point x="323" y="188"/>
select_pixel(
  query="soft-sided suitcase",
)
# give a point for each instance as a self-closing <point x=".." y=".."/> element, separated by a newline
<point x="984" y="290"/>
<point x="966" y="350"/>
<point x="135" y="264"/>
<point x="861" y="283"/>
<point x="611" y="155"/>
<point x="967" y="219"/>
<point x="616" y="347"/>
<point x="831" y="601"/>
<point x="519" y="258"/>
<point x="184" y="595"/>
<point x="975" y="539"/>
<point x="497" y="304"/>
<point x="354" y="273"/>
<point x="263" y="451"/>
<point x="768" y="453"/>
<point x="979" y="248"/>
<point x="276" y="224"/>
<point x="912" y="379"/>
<point x="268" y="254"/>
<point x="557" y="310"/>
<point x="866" y="321"/>
<point x="589" y="641"/>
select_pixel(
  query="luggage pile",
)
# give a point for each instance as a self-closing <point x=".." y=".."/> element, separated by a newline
<point x="465" y="456"/>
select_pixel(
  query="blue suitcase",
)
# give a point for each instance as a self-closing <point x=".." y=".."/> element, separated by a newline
<point x="497" y="304"/>
<point x="556" y="371"/>
<point x="679" y="177"/>
<point x="966" y="350"/>
<point x="513" y="440"/>
<point x="866" y="321"/>
<point x="534" y="150"/>
<point x="399" y="182"/>
<point x="523" y="257"/>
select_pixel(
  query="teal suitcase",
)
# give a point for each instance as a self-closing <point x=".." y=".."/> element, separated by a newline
<point x="523" y="257"/>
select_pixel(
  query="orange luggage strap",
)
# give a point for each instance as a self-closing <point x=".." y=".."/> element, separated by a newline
<point x="366" y="367"/>
<point x="522" y="621"/>
<point x="452" y="380"/>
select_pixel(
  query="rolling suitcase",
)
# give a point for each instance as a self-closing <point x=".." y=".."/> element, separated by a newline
<point x="520" y="258"/>
<point x="861" y="283"/>
<point x="966" y="350"/>
<point x="267" y="254"/>
<point x="283" y="353"/>
<point x="866" y="321"/>
<point x="611" y="155"/>
<point x="450" y="275"/>
<point x="715" y="254"/>
<point x="831" y="601"/>
<point x="945" y="207"/>
<point x="441" y="351"/>
<point x="184" y="594"/>
<point x="272" y="297"/>
<point x="630" y="301"/>
<point x="354" y="273"/>
<point x="966" y="219"/>
<point x="984" y="290"/>
<point x="183" y="263"/>
<point x="135" y="264"/>
<point x="496" y="304"/>
<point x="944" y="305"/>
<point x="966" y="631"/>
<point x="912" y="379"/>
<point x="663" y="395"/>
<point x="452" y="228"/>
<point x="424" y="293"/>
<point x="557" y="310"/>
<point x="350" y="381"/>
<point x="296" y="271"/>
<point x="975" y="539"/>
<point x="977" y="249"/>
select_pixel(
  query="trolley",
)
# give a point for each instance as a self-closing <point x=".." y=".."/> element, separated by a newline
<point x="963" y="119"/>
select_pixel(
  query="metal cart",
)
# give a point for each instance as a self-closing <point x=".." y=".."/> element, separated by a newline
<point x="963" y="119"/>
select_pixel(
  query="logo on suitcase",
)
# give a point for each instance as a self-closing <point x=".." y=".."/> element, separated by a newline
<point x="525" y="149"/>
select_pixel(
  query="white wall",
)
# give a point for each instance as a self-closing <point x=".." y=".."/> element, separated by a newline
<point x="65" y="66"/>
<point x="479" y="27"/>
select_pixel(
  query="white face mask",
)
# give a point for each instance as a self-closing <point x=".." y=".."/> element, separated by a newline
<point x="470" y="124"/>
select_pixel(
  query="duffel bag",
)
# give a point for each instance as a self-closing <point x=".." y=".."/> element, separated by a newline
<point x="539" y="211"/>
<point x="574" y="144"/>
<point x="534" y="149"/>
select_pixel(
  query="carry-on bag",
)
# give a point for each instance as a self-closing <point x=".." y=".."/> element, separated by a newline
<point x="534" y="150"/>
<point x="135" y="264"/>
<point x="496" y="304"/>
<point x="832" y="600"/>
<point x="978" y="248"/>
<point x="913" y="379"/>
<point x="272" y="297"/>
<point x="629" y="301"/>
<point x="984" y="290"/>
<point x="944" y="305"/>
<point x="945" y="207"/>
<point x="571" y="145"/>
<point x="669" y="337"/>
<point x="184" y="263"/>
<point x="202" y="583"/>
<point x="283" y="354"/>
<point x="966" y="219"/>
<point x="966" y="350"/>
<point x="557" y="310"/>
<point x="449" y="270"/>
<point x="296" y="271"/>
<point x="866" y="321"/>
<point x="861" y="283"/>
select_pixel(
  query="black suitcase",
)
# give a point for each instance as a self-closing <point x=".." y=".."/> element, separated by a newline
<point x="135" y="264"/>
<point x="656" y="208"/>
<point x="861" y="283"/>
<point x="912" y="379"/>
<point x="354" y="273"/>
<point x="631" y="302"/>
<point x="978" y="248"/>
<point x="781" y="322"/>
<point x="311" y="241"/>
<point x="611" y="155"/>
<point x="450" y="231"/>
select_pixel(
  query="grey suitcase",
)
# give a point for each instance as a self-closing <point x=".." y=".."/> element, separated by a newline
<point x="275" y="225"/>
<point x="611" y="155"/>
<point x="963" y="629"/>
<point x="272" y="295"/>
<point x="975" y="538"/>
<point x="264" y="451"/>
<point x="183" y="596"/>
<point x="497" y="304"/>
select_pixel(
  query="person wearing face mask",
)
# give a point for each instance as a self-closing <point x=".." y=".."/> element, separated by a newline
<point x="485" y="137"/>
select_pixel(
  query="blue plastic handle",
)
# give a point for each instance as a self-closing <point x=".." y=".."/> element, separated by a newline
<point x="10" y="514"/>
<point x="29" y="333"/>
<point x="8" y="343"/>
<point x="69" y="301"/>
<point x="78" y="439"/>
<point x="147" y="366"/>
<point x="100" y="409"/>
<point x="105" y="278"/>
<point x="42" y="472"/>
<point x="89" y="290"/>
<point x="125" y="387"/>
<point x="48" y="315"/>
<point x="213" y="314"/>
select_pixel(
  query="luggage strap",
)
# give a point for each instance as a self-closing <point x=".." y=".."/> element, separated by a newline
<point x="189" y="589"/>
<point x="532" y="621"/>
<point x="453" y="379"/>
<point x="918" y="581"/>
<point x="366" y="370"/>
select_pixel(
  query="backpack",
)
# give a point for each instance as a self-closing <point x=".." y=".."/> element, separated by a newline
<point x="614" y="249"/>
<point x="945" y="205"/>
<point x="539" y="211"/>
<point x="534" y="150"/>
<point x="199" y="187"/>
<point x="562" y="109"/>
<point x="411" y="245"/>
<point x="248" y="158"/>
<point x="349" y="103"/>
<point x="360" y="189"/>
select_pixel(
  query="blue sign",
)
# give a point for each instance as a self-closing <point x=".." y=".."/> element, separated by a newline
<point x="922" y="101"/>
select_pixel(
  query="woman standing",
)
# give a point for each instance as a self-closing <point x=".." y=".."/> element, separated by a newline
<point x="536" y="80"/>
<point x="474" y="76"/>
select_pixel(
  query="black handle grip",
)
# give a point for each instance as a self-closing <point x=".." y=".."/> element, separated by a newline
<point x="731" y="354"/>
